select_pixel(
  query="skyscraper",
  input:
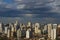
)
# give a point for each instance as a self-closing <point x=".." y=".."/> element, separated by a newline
<point x="54" y="30"/>
<point x="12" y="29"/>
<point x="45" y="29"/>
<point x="18" y="34"/>
<point x="22" y="26"/>
<point x="6" y="29"/>
<point x="27" y="34"/>
<point x="15" y="26"/>
<point x="29" y="24"/>
<point x="49" y="30"/>
<point x="0" y="27"/>
<point x="52" y="34"/>
<point x="8" y="34"/>
<point x="37" y="26"/>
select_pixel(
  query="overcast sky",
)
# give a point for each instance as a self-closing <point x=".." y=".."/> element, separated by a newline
<point x="32" y="10"/>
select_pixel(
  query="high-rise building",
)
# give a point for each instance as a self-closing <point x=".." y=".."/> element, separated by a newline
<point x="12" y="29"/>
<point x="54" y="30"/>
<point x="37" y="27"/>
<point x="27" y="34"/>
<point x="22" y="26"/>
<point x="58" y="31"/>
<point x="0" y="27"/>
<point x="23" y="33"/>
<point x="33" y="26"/>
<point x="15" y="26"/>
<point x="54" y="26"/>
<point x="18" y="34"/>
<point x="59" y="26"/>
<point x="29" y="24"/>
<point x="37" y="24"/>
<point x="45" y="27"/>
<point x="6" y="29"/>
<point x="8" y="34"/>
<point x="52" y="34"/>
<point x="49" y="30"/>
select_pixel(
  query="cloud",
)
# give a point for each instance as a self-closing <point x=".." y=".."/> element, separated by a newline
<point x="29" y="4"/>
<point x="20" y="6"/>
<point x="17" y="0"/>
<point x="31" y="10"/>
<point x="40" y="5"/>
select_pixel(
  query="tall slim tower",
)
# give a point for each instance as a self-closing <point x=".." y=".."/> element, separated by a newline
<point x="12" y="29"/>
<point x="6" y="29"/>
<point x="52" y="34"/>
<point x="29" y="26"/>
<point x="15" y="26"/>
<point x="18" y="34"/>
<point x="27" y="34"/>
<point x="0" y="27"/>
<point x="49" y="30"/>
<point x="54" y="30"/>
<point x="45" y="29"/>
<point x="8" y="34"/>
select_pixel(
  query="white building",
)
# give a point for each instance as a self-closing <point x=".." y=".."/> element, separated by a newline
<point x="6" y="30"/>
<point x="45" y="27"/>
<point x="54" y="30"/>
<point x="29" y="24"/>
<point x="8" y="34"/>
<point x="54" y="26"/>
<point x="27" y="34"/>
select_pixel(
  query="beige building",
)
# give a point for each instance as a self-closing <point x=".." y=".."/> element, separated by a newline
<point x="52" y="34"/>
<point x="49" y="30"/>
<point x="8" y="34"/>
<point x="0" y="27"/>
<point x="37" y="26"/>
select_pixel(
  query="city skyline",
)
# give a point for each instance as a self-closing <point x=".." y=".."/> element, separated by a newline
<point x="29" y="19"/>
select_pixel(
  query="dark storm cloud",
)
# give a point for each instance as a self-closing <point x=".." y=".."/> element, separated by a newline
<point x="40" y="10"/>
